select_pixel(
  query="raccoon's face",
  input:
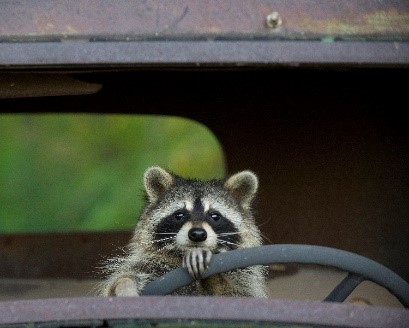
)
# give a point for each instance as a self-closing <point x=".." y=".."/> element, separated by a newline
<point x="190" y="213"/>
<point x="197" y="226"/>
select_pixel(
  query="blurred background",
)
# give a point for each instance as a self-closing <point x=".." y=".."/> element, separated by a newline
<point x="83" y="172"/>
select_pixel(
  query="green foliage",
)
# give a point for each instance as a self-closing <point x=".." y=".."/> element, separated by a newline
<point x="76" y="172"/>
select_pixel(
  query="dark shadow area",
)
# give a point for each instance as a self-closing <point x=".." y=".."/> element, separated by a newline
<point x="331" y="147"/>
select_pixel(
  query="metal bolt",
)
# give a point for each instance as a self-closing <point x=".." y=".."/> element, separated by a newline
<point x="273" y="20"/>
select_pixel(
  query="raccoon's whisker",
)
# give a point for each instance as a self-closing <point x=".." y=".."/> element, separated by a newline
<point x="221" y="241"/>
<point x="264" y="222"/>
<point x="228" y="233"/>
<point x="166" y="247"/>
<point x="157" y="241"/>
<point x="163" y="239"/>
<point x="265" y="237"/>
<point x="166" y="233"/>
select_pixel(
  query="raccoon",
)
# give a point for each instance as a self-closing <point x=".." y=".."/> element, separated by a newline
<point x="184" y="222"/>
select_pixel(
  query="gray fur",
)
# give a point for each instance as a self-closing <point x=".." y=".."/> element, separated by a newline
<point x="168" y="194"/>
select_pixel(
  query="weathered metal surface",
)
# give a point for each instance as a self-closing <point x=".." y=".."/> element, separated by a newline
<point x="151" y="32"/>
<point x="129" y="19"/>
<point x="197" y="53"/>
<point x="202" y="308"/>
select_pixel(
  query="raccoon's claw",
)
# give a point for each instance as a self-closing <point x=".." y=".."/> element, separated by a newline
<point x="196" y="261"/>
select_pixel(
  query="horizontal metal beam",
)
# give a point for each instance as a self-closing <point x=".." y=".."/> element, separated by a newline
<point x="195" y="53"/>
<point x="201" y="308"/>
<point x="283" y="19"/>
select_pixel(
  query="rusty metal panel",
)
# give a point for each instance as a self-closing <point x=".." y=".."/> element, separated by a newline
<point x="47" y="33"/>
<point x="201" y="308"/>
<point x="130" y="19"/>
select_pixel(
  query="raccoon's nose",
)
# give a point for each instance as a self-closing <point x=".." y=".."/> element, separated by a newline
<point x="197" y="234"/>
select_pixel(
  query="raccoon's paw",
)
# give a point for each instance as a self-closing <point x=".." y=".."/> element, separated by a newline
<point x="125" y="287"/>
<point x="196" y="261"/>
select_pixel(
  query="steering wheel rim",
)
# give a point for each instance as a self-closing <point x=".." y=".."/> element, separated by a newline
<point x="359" y="268"/>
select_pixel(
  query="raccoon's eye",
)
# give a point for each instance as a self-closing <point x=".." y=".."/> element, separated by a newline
<point x="215" y="216"/>
<point x="179" y="215"/>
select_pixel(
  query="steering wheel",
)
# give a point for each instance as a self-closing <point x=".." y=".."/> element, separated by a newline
<point x="359" y="268"/>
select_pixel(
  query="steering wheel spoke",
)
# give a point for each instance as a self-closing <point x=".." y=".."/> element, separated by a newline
<point x="344" y="288"/>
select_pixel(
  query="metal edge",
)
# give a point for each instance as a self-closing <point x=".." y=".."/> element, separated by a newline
<point x="200" y="308"/>
<point x="202" y="53"/>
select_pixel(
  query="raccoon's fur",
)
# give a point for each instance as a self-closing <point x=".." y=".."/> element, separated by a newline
<point x="184" y="222"/>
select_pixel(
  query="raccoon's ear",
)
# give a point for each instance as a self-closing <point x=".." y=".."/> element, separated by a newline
<point x="156" y="181"/>
<point x="243" y="186"/>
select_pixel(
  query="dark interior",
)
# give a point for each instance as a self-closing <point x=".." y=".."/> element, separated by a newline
<point x="330" y="147"/>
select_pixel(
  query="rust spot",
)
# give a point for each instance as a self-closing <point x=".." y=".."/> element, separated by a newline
<point x="387" y="23"/>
